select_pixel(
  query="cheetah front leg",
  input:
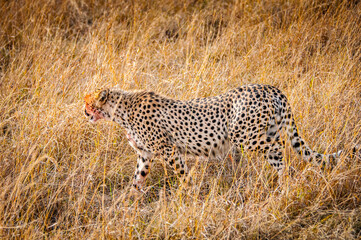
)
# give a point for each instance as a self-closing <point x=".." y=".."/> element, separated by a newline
<point x="175" y="160"/>
<point x="141" y="171"/>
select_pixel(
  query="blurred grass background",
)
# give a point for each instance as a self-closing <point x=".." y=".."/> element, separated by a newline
<point x="62" y="177"/>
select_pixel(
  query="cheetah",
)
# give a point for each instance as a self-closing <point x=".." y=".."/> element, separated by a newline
<point x="249" y="118"/>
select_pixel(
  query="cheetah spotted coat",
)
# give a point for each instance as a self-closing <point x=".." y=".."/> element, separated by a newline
<point x="249" y="117"/>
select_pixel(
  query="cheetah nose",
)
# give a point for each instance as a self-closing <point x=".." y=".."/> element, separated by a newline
<point x="86" y="113"/>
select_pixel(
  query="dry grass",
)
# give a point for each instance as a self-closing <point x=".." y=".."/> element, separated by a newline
<point x="61" y="177"/>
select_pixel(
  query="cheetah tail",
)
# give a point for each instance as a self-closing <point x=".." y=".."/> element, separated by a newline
<point x="306" y="152"/>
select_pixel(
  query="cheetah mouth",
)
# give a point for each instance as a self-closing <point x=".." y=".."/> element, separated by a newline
<point x="92" y="115"/>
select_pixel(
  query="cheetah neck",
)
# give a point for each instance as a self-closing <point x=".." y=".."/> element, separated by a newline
<point x="120" y="106"/>
<point x="115" y="107"/>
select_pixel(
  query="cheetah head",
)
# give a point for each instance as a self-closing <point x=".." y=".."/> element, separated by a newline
<point x="95" y="104"/>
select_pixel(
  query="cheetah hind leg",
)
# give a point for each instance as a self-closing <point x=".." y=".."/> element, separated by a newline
<point x="175" y="160"/>
<point x="275" y="157"/>
<point x="236" y="155"/>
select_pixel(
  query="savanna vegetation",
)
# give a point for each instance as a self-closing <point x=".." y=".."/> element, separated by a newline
<point x="63" y="177"/>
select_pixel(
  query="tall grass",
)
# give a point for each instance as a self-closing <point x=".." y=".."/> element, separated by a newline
<point x="62" y="177"/>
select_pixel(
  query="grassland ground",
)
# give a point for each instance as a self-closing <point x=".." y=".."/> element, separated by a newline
<point x="62" y="177"/>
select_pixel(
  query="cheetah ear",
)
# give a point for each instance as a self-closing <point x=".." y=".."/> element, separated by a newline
<point x="103" y="96"/>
